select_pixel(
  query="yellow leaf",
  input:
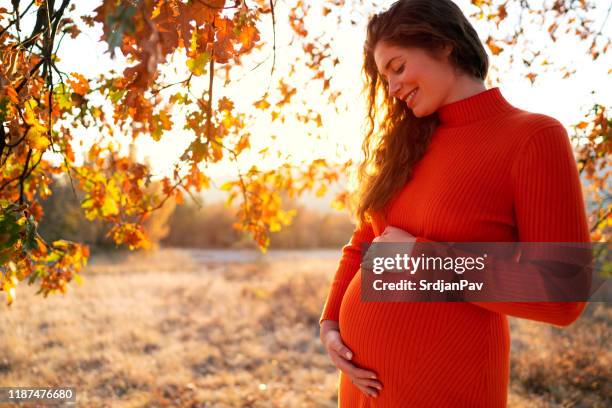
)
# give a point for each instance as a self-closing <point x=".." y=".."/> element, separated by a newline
<point x="275" y="226"/>
<point x="79" y="279"/>
<point x="109" y="207"/>
<point x="227" y="186"/>
<point x="37" y="139"/>
<point x="321" y="190"/>
<point x="30" y="116"/>
<point x="196" y="65"/>
<point x="36" y="134"/>
<point x="337" y="205"/>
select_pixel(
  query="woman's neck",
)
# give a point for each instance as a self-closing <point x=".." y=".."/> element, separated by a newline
<point x="464" y="87"/>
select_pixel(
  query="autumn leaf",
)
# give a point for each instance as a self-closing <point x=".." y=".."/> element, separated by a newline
<point x="262" y="104"/>
<point x="225" y="104"/>
<point x="226" y="186"/>
<point x="582" y="125"/>
<point x="242" y="144"/>
<point x="161" y="122"/>
<point x="321" y="190"/>
<point x="36" y="134"/>
<point x="178" y="197"/>
<point x="12" y="94"/>
<point x="531" y="76"/>
<point x="62" y="98"/>
<point x="197" y="65"/>
<point x="495" y="49"/>
<point x="248" y="36"/>
<point x="79" y="84"/>
<point x="287" y="91"/>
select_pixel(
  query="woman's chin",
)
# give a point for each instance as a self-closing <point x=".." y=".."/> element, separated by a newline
<point x="417" y="112"/>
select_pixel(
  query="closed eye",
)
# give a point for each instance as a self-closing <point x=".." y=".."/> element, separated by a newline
<point x="397" y="71"/>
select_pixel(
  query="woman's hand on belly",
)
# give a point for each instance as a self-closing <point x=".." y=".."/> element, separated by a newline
<point x="391" y="234"/>
<point x="340" y="355"/>
<point x="394" y="234"/>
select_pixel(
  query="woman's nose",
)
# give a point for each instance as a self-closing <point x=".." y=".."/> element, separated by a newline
<point x="394" y="89"/>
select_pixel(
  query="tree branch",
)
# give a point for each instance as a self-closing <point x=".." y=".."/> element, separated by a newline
<point x="601" y="220"/>
<point x="23" y="176"/>
<point x="211" y="75"/>
<point x="273" y="45"/>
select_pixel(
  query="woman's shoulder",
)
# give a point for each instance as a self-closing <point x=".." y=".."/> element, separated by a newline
<point x="520" y="125"/>
<point x="539" y="138"/>
<point x="532" y="121"/>
<point x="517" y="132"/>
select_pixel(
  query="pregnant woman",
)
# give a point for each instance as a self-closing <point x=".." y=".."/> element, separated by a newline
<point x="450" y="161"/>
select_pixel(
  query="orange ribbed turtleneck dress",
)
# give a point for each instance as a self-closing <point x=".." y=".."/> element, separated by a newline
<point x="492" y="173"/>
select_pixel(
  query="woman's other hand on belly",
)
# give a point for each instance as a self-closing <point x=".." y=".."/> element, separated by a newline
<point x="365" y="380"/>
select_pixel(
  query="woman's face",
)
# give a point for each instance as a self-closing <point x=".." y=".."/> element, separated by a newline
<point x="422" y="82"/>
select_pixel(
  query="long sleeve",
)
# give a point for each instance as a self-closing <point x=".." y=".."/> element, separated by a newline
<point x="347" y="267"/>
<point x="549" y="207"/>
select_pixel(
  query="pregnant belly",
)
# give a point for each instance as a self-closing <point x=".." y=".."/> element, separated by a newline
<point x="380" y="334"/>
<point x="410" y="345"/>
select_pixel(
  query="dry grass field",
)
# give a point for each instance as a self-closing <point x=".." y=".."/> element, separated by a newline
<point x="174" y="329"/>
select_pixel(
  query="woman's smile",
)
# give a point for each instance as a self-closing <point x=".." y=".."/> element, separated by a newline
<point x="410" y="99"/>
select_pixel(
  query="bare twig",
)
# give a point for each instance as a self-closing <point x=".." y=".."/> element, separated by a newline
<point x="211" y="75"/>
<point x="273" y="46"/>
<point x="184" y="81"/>
<point x="605" y="21"/>
<point x="24" y="81"/>
<point x="18" y="16"/>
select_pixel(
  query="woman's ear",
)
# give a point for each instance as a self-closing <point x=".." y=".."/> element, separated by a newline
<point x="447" y="49"/>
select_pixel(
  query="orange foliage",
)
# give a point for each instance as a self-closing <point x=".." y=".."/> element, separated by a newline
<point x="40" y="107"/>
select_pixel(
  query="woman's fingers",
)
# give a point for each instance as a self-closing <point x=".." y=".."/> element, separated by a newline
<point x="368" y="390"/>
<point x="368" y="383"/>
<point x="343" y="354"/>
<point x="340" y="354"/>
<point x="342" y="350"/>
<point x="336" y="344"/>
<point x="353" y="371"/>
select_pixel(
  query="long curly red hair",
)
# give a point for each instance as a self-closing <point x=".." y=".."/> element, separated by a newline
<point x="396" y="142"/>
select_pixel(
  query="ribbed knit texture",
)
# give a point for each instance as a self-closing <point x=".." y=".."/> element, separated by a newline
<point x="493" y="173"/>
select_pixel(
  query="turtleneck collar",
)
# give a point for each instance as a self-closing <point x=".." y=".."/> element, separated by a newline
<point x="474" y="108"/>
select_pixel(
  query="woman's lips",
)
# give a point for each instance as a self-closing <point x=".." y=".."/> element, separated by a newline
<point x="411" y="96"/>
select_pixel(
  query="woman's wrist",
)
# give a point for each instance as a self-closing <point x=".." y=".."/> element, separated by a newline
<point x="329" y="325"/>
